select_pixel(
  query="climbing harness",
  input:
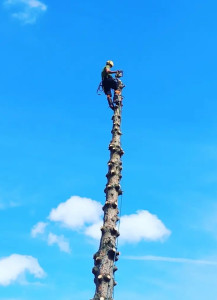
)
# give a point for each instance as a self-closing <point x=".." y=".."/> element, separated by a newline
<point x="117" y="76"/>
<point x="117" y="99"/>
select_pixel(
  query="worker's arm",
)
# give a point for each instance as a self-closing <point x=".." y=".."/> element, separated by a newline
<point x="108" y="71"/>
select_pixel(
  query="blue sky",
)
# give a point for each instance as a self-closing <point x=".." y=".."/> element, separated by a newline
<point x="55" y="131"/>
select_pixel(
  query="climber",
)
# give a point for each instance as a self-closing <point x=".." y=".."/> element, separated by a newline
<point x="108" y="83"/>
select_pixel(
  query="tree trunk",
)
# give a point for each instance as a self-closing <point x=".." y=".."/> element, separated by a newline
<point x="105" y="257"/>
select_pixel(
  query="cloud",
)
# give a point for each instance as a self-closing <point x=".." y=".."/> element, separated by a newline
<point x="60" y="241"/>
<point x="142" y="226"/>
<point x="39" y="228"/>
<point x="172" y="259"/>
<point x="85" y="215"/>
<point x="76" y="212"/>
<point x="135" y="228"/>
<point x="26" y="11"/>
<point x="94" y="231"/>
<point x="15" y="265"/>
<point x="51" y="238"/>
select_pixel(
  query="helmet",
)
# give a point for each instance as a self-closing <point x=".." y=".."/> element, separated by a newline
<point x="110" y="62"/>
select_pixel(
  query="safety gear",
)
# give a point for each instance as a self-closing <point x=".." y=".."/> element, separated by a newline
<point x="99" y="89"/>
<point x="110" y="63"/>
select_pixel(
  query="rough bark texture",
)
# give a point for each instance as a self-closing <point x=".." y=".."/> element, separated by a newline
<point x="105" y="257"/>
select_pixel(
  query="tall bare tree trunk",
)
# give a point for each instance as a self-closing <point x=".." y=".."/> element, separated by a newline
<point x="105" y="257"/>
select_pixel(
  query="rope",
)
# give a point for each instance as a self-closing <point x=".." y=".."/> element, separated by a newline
<point x="99" y="89"/>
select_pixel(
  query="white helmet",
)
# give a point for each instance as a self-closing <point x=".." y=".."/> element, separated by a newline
<point x="110" y="63"/>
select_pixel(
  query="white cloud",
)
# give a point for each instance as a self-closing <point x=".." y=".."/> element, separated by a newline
<point x="62" y="243"/>
<point x="16" y="265"/>
<point x="26" y="11"/>
<point x="85" y="214"/>
<point x="76" y="212"/>
<point x="135" y="228"/>
<point x="39" y="228"/>
<point x="94" y="230"/>
<point x="172" y="259"/>
<point x="142" y="226"/>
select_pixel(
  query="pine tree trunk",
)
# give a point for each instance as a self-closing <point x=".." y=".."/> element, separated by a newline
<point x="104" y="259"/>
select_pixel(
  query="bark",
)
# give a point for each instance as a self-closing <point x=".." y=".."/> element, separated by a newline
<point x="105" y="258"/>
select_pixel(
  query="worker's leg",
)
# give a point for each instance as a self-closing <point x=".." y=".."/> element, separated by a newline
<point x="117" y="92"/>
<point x="110" y="103"/>
<point x="107" y="91"/>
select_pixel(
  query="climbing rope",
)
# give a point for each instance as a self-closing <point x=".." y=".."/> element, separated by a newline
<point x="99" y="89"/>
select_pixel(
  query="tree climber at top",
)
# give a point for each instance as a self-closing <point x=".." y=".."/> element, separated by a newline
<point x="108" y="83"/>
